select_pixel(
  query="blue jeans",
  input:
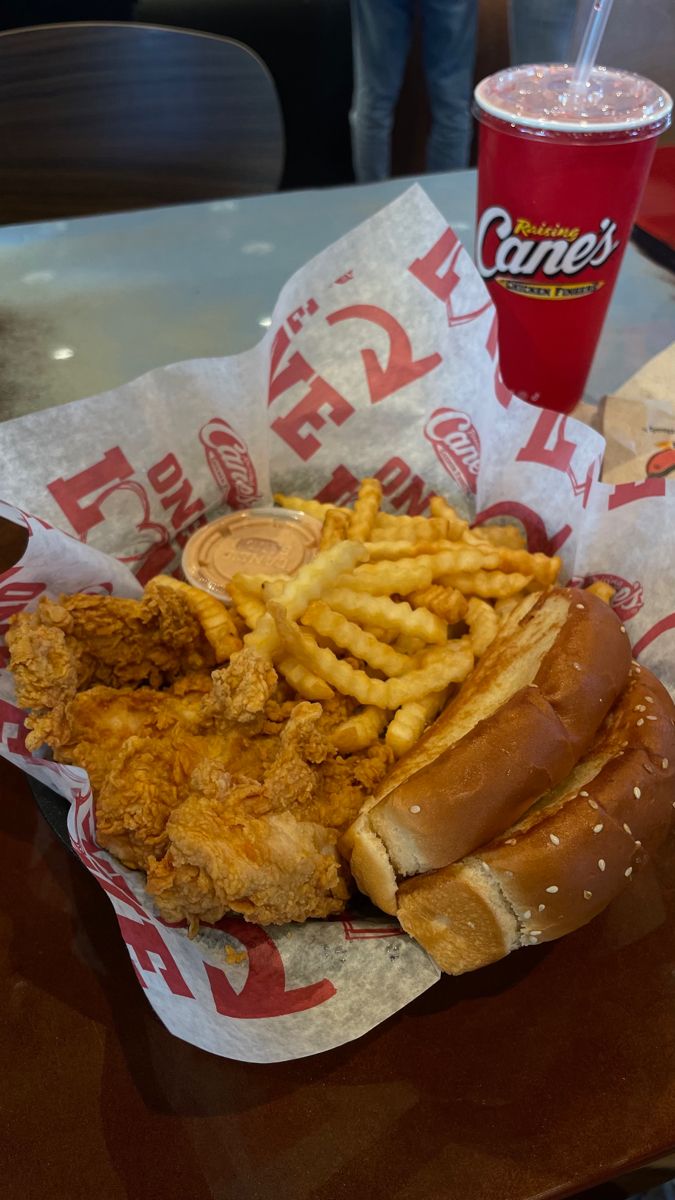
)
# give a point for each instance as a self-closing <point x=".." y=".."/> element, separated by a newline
<point x="381" y="32"/>
<point x="541" y="31"/>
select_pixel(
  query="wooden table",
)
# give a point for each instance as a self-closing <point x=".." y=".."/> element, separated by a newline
<point x="533" y="1078"/>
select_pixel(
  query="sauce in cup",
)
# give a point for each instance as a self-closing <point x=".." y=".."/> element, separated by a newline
<point x="273" y="541"/>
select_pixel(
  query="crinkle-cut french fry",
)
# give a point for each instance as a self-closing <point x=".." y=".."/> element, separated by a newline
<point x="386" y="578"/>
<point x="219" y="629"/>
<point x="462" y="559"/>
<point x="483" y="625"/>
<point x="499" y="535"/>
<point x="382" y="634"/>
<point x="437" y="530"/>
<point x="398" y="521"/>
<point x="396" y="570"/>
<point x="264" y="639"/>
<point x="436" y="654"/>
<point x="272" y="589"/>
<point x="602" y="589"/>
<point x="542" y="568"/>
<point x="349" y="636"/>
<point x="241" y="625"/>
<point x="456" y="526"/>
<point x="412" y="529"/>
<point x="254" y="585"/>
<point x="505" y="607"/>
<point x="400" y="576"/>
<point x="305" y="682"/>
<point x="389" y="533"/>
<point x="446" y="602"/>
<point x="397" y="550"/>
<point x="474" y="537"/>
<point x="431" y="534"/>
<point x="250" y="607"/>
<point x="335" y="528"/>
<point x="383" y="693"/>
<point x="318" y="574"/>
<point x="487" y="584"/>
<point x="391" y="614"/>
<point x="366" y="508"/>
<point x="407" y="643"/>
<point x="307" y="585"/>
<point x="360" y="730"/>
<point x="313" y="508"/>
<point x="216" y="622"/>
<point x="411" y="720"/>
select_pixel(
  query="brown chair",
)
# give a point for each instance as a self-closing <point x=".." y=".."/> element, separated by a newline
<point x="99" y="117"/>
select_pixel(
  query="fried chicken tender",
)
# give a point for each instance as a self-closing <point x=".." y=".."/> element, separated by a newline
<point x="46" y="670"/>
<point x="69" y="644"/>
<point x="241" y="690"/>
<point x="228" y="853"/>
<point x="302" y="734"/>
<point x="291" y="780"/>
<point x="149" y="778"/>
<point x="220" y="784"/>
<point x="308" y="778"/>
<point x="225" y="821"/>
<point x="345" y="783"/>
<point x="88" y="729"/>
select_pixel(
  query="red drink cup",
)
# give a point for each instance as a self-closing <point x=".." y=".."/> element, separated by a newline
<point x="559" y="183"/>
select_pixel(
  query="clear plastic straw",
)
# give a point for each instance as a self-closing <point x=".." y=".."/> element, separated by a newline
<point x="590" y="43"/>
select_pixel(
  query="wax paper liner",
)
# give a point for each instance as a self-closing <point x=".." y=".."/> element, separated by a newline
<point x="381" y="359"/>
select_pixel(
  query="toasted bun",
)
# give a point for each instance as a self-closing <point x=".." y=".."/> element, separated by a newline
<point x="569" y="856"/>
<point x="520" y="722"/>
<point x="459" y="916"/>
<point x="368" y="858"/>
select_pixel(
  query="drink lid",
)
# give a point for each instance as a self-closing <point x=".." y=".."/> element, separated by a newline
<point x="275" y="541"/>
<point x="540" y="96"/>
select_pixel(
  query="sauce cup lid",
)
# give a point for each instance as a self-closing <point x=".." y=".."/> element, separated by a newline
<point x="276" y="541"/>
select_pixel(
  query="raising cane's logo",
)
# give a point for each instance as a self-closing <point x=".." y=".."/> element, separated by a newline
<point x="230" y="463"/>
<point x="457" y="445"/>
<point x="512" y="251"/>
<point x="628" y="597"/>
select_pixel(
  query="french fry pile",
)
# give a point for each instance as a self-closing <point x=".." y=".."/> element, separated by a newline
<point x="393" y="611"/>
